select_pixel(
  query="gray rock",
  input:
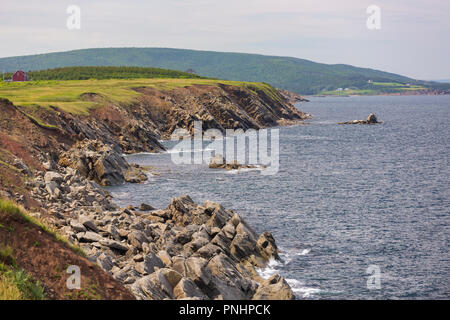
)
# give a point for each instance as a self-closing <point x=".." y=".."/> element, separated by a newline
<point x="53" y="176"/>
<point x="105" y="262"/>
<point x="114" y="245"/>
<point x="137" y="238"/>
<point x="77" y="226"/>
<point x="151" y="262"/>
<point x="152" y="287"/>
<point x="90" y="236"/>
<point x="146" y="207"/>
<point x="88" y="223"/>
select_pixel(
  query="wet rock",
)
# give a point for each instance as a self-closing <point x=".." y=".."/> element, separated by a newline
<point x="274" y="288"/>
<point x="371" y="119"/>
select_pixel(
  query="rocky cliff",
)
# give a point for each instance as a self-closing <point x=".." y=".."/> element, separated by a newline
<point x="53" y="162"/>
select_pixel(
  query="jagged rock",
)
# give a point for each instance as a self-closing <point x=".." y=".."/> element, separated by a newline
<point x="153" y="287"/>
<point x="105" y="262"/>
<point x="137" y="238"/>
<point x="77" y="226"/>
<point x="114" y="245"/>
<point x="371" y="119"/>
<point x="219" y="162"/>
<point x="151" y="262"/>
<point x="172" y="276"/>
<point x="165" y="258"/>
<point x="186" y="288"/>
<point x="89" y="236"/>
<point x="88" y="223"/>
<point x="267" y="247"/>
<point x="228" y="281"/>
<point x="101" y="163"/>
<point x="274" y="288"/>
<point x="23" y="168"/>
<point x="112" y="230"/>
<point x="146" y="207"/>
<point x="53" y="176"/>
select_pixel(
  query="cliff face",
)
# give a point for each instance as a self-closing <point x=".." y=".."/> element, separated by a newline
<point x="39" y="135"/>
<point x="40" y="148"/>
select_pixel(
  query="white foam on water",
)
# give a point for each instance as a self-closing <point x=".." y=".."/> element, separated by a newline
<point x="298" y="287"/>
<point x="289" y="254"/>
<point x="269" y="270"/>
<point x="242" y="170"/>
<point x="300" y="290"/>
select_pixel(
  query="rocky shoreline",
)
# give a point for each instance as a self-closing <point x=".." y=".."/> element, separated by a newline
<point x="185" y="251"/>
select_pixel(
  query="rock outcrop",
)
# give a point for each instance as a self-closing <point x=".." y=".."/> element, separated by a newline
<point x="292" y="97"/>
<point x="186" y="251"/>
<point x="371" y="119"/>
<point x="99" y="162"/>
<point x="219" y="162"/>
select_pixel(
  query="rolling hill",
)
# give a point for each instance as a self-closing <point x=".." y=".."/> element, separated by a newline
<point x="298" y="75"/>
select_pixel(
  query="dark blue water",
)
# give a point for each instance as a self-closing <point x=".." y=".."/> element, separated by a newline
<point x="346" y="197"/>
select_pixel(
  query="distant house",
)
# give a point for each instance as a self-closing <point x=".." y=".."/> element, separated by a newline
<point x="20" y="76"/>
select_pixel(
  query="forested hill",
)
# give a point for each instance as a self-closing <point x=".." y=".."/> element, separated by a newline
<point x="105" y="72"/>
<point x="298" y="75"/>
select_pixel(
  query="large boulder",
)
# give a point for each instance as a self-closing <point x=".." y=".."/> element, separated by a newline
<point x="274" y="288"/>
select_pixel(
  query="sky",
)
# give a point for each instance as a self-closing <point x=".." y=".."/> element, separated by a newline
<point x="413" y="39"/>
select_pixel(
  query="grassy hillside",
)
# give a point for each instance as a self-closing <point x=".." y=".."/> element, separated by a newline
<point x="84" y="73"/>
<point x="69" y="95"/>
<point x="298" y="75"/>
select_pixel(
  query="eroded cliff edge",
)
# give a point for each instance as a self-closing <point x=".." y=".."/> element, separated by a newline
<point x="183" y="251"/>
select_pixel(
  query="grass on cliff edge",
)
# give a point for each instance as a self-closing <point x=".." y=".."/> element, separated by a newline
<point x="16" y="284"/>
<point x="68" y="94"/>
<point x="10" y="207"/>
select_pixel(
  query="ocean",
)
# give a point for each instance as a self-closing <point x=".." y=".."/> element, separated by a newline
<point x="358" y="211"/>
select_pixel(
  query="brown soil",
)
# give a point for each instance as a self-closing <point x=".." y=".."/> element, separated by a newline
<point x="47" y="259"/>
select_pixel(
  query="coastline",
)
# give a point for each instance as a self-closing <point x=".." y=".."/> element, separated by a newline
<point x="77" y="153"/>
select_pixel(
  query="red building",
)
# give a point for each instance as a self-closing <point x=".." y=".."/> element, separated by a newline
<point x="20" y="76"/>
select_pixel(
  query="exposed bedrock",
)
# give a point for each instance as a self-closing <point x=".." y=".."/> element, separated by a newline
<point x="99" y="162"/>
<point x="186" y="251"/>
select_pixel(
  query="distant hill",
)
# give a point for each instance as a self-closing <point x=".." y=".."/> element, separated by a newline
<point x="298" y="75"/>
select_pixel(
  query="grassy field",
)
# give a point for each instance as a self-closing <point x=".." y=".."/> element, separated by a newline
<point x="68" y="94"/>
<point x="376" y="88"/>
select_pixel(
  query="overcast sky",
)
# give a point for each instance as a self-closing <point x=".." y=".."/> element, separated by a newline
<point x="413" y="39"/>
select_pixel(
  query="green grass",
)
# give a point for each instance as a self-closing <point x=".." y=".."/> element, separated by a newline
<point x="16" y="284"/>
<point x="68" y="95"/>
<point x="376" y="88"/>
